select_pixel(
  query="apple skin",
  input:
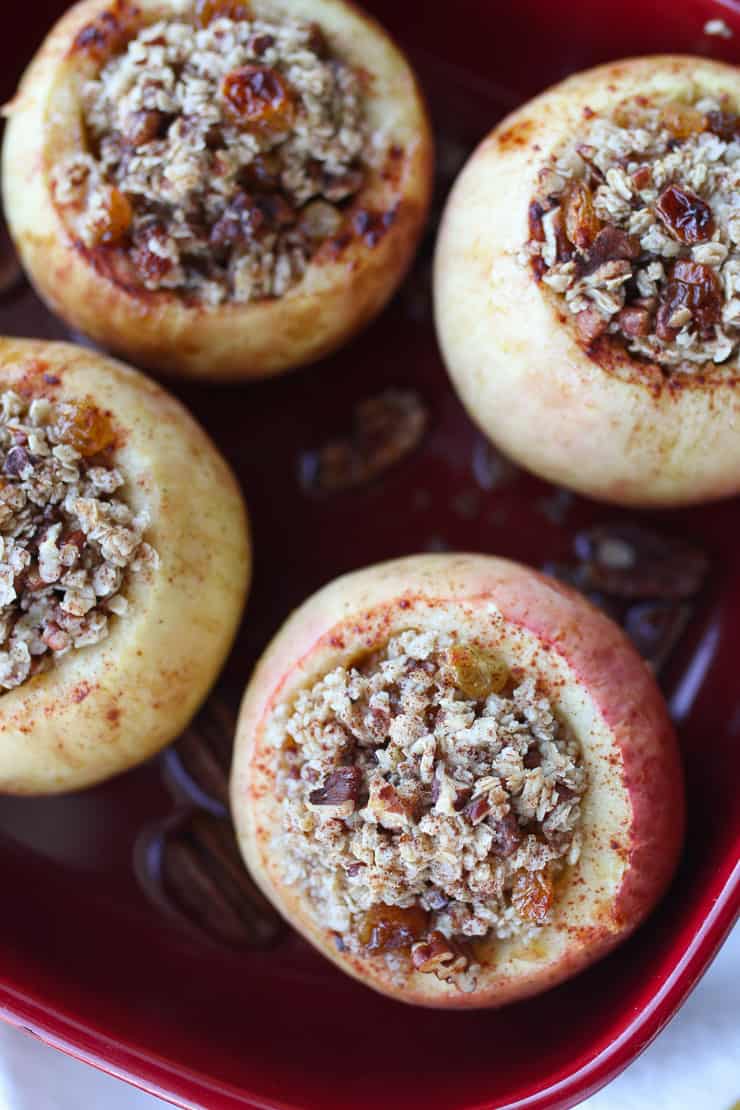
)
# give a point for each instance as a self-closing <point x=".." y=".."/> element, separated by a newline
<point x="104" y="708"/>
<point x="618" y="431"/>
<point x="341" y="291"/>
<point x="633" y="811"/>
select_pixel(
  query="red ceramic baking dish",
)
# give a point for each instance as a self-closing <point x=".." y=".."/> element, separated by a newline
<point x="128" y="936"/>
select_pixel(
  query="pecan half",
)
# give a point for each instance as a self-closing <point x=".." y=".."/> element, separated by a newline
<point x="634" y="321"/>
<point x="632" y="562"/>
<point x="191" y="868"/>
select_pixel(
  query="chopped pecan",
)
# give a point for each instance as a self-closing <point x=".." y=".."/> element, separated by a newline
<point x="507" y="835"/>
<point x="534" y="216"/>
<point x="428" y="955"/>
<point x="393" y="810"/>
<point x="724" y="124"/>
<point x="477" y="810"/>
<point x="632" y="562"/>
<point x="341" y="788"/>
<point x="16" y="461"/>
<point x="609" y="245"/>
<point x="685" y="215"/>
<point x="634" y="321"/>
<point x="590" y="325"/>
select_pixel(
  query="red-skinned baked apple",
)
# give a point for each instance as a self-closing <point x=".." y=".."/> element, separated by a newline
<point x="587" y="282"/>
<point x="457" y="779"/>
<point x="217" y="188"/>
<point x="124" y="563"/>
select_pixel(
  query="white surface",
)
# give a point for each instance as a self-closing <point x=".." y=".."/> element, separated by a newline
<point x="693" y="1065"/>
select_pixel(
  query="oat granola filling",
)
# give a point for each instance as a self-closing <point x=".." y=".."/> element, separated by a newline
<point x="428" y="798"/>
<point x="636" y="225"/>
<point x="67" y="543"/>
<point x="221" y="156"/>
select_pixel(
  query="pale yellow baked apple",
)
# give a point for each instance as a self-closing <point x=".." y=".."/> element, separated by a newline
<point x="457" y="779"/>
<point x="124" y="563"/>
<point x="587" y="282"/>
<point x="217" y="188"/>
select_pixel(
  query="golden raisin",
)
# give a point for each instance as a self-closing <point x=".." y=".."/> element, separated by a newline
<point x="477" y="673"/>
<point x="582" y="225"/>
<point x="682" y="120"/>
<point x="208" y="10"/>
<point x="116" y="219"/>
<point x="259" y="99"/>
<point x="532" y="895"/>
<point x="86" y="428"/>
<point x="385" y="928"/>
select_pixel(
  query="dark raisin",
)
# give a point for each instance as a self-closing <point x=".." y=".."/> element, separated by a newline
<point x="686" y="216"/>
<point x="340" y="786"/>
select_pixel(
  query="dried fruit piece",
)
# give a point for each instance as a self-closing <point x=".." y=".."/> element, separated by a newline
<point x="696" y="288"/>
<point x="724" y="124"/>
<point x="144" y="126"/>
<point x="116" y="216"/>
<point x="259" y="98"/>
<point x="682" y="120"/>
<point x="477" y="673"/>
<point x="208" y="10"/>
<point x="582" y="225"/>
<point x="85" y="427"/>
<point x="109" y="33"/>
<point x="685" y="215"/>
<point x="389" y="928"/>
<point x="532" y="896"/>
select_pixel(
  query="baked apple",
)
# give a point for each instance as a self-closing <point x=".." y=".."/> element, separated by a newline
<point x="587" y="282"/>
<point x="124" y="560"/>
<point x="218" y="188"/>
<point x="457" y="779"/>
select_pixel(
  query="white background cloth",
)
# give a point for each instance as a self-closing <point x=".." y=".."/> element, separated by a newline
<point x="693" y="1065"/>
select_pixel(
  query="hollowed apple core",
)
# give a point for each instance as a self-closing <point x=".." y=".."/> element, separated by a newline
<point x="430" y="801"/>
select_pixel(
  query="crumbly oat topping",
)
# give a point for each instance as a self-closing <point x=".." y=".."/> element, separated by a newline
<point x="636" y="225"/>
<point x="67" y="542"/>
<point x="428" y="799"/>
<point x="221" y="156"/>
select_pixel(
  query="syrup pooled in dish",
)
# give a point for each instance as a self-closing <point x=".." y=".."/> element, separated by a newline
<point x="636" y="225"/>
<point x="429" y="798"/>
<point x="222" y="153"/>
<point x="68" y="539"/>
